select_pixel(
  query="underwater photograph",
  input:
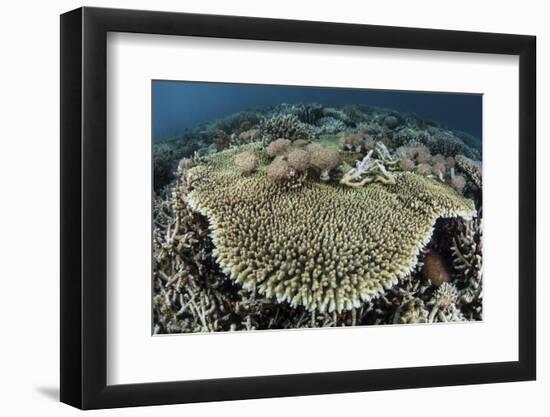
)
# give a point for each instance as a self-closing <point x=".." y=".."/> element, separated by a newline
<point x="292" y="207"/>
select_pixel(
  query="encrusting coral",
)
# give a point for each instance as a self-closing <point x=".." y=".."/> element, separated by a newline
<point x="325" y="247"/>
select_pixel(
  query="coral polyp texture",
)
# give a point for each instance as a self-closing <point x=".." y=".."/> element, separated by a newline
<point x="324" y="247"/>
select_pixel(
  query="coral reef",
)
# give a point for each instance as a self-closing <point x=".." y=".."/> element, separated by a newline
<point x="329" y="125"/>
<point x="302" y="215"/>
<point x="282" y="244"/>
<point x="308" y="113"/>
<point x="437" y="142"/>
<point x="335" y="113"/>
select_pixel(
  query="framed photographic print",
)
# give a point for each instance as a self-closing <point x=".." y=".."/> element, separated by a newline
<point x="258" y="208"/>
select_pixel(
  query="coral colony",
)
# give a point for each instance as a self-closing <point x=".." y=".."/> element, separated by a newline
<point x="310" y="216"/>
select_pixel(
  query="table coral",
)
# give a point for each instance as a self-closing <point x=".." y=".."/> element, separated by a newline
<point x="324" y="246"/>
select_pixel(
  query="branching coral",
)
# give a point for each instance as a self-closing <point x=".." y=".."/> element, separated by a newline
<point x="307" y="113"/>
<point x="163" y="166"/>
<point x="284" y="126"/>
<point x="192" y="287"/>
<point x="354" y="114"/>
<point x="407" y="135"/>
<point x="366" y="171"/>
<point x="336" y="114"/>
<point x="412" y="311"/>
<point x="326" y="248"/>
<point x="467" y="247"/>
<point x="329" y="125"/>
<point x="436" y="140"/>
<point x="371" y="169"/>
<point x="449" y="145"/>
<point x="471" y="168"/>
<point x="443" y="306"/>
<point x="191" y="293"/>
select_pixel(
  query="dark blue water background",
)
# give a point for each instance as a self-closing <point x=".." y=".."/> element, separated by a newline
<point x="179" y="105"/>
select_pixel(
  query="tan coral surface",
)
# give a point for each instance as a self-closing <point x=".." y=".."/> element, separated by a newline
<point x="471" y="168"/>
<point x="322" y="246"/>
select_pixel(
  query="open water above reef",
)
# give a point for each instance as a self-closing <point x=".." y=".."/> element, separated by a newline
<point x="180" y="106"/>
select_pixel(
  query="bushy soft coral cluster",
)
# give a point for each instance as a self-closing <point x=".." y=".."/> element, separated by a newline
<point x="357" y="142"/>
<point x="417" y="158"/>
<point x="291" y="162"/>
<point x="247" y="162"/>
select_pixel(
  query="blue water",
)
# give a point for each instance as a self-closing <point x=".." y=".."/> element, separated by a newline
<point x="178" y="105"/>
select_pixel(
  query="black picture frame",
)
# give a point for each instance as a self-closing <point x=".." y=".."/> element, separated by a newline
<point x="84" y="207"/>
